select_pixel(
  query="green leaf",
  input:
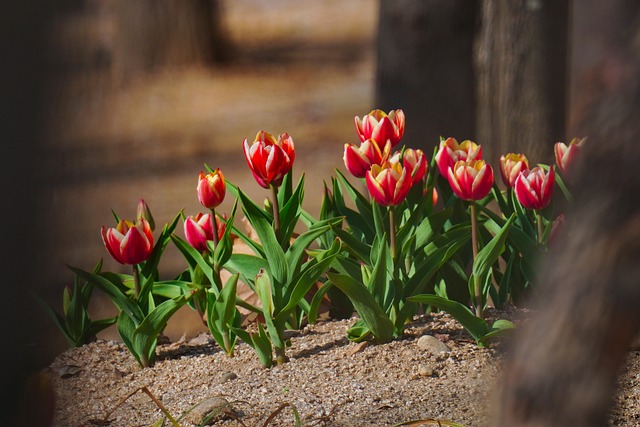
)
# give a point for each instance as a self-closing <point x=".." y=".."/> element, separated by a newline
<point x="317" y="299"/>
<point x="113" y="292"/>
<point x="145" y="335"/>
<point x="356" y="247"/>
<point x="305" y="281"/>
<point x="272" y="249"/>
<point x="366" y="306"/>
<point x="247" y="265"/>
<point x="192" y="253"/>
<point x="221" y="312"/>
<point x="476" y="326"/>
<point x="488" y="255"/>
<point x="303" y="241"/>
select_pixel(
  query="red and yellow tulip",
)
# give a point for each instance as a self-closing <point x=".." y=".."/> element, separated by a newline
<point x="470" y="180"/>
<point x="129" y="243"/>
<point x="211" y="189"/>
<point x="359" y="160"/>
<point x="388" y="184"/>
<point x="381" y="127"/>
<point x="269" y="159"/>
<point x="510" y="166"/>
<point x="415" y="162"/>
<point x="199" y="228"/>
<point x="534" y="187"/>
<point x="451" y="151"/>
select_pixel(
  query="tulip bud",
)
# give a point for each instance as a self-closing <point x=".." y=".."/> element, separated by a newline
<point x="510" y="166"/>
<point x="388" y="184"/>
<point x="211" y="189"/>
<point x="534" y="187"/>
<point x="199" y="228"/>
<point x="144" y="212"/>
<point x="566" y="154"/>
<point x="416" y="164"/>
<point x="471" y="180"/>
<point x="450" y="152"/>
<point x="381" y="127"/>
<point x="269" y="159"/>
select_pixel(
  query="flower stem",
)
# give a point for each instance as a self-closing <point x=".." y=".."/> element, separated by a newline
<point x="477" y="286"/>
<point x="276" y="211"/>
<point x="215" y="227"/>
<point x="540" y="228"/>
<point x="392" y="232"/>
<point x="136" y="281"/>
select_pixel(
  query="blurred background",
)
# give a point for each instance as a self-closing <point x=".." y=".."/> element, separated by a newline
<point x="132" y="98"/>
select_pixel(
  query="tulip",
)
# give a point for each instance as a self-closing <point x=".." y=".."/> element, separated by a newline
<point x="450" y="152"/>
<point x="510" y="166"/>
<point x="567" y="154"/>
<point x="269" y="159"/>
<point x="470" y="180"/>
<point x="129" y="243"/>
<point x="416" y="164"/>
<point x="534" y="187"/>
<point x="381" y="127"/>
<point x="359" y="160"/>
<point x="388" y="184"/>
<point x="143" y="211"/>
<point x="211" y="189"/>
<point x="199" y="228"/>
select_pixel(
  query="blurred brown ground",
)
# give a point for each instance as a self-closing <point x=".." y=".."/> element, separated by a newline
<point x="306" y="68"/>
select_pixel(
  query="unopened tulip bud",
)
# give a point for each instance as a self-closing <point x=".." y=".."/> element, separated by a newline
<point x="144" y="212"/>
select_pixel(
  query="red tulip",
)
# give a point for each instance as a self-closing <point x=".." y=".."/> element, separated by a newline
<point x="534" y="187"/>
<point x="510" y="166"/>
<point x="270" y="159"/>
<point x="450" y="152"/>
<point x="129" y="243"/>
<point x="199" y="228"/>
<point x="416" y="164"/>
<point x="381" y="127"/>
<point x="470" y="180"/>
<point x="566" y="154"/>
<point x="388" y="184"/>
<point x="359" y="160"/>
<point x="211" y="189"/>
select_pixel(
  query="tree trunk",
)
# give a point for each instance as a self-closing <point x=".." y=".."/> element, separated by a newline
<point x="424" y="66"/>
<point x="153" y="34"/>
<point x="521" y="64"/>
<point x="564" y="365"/>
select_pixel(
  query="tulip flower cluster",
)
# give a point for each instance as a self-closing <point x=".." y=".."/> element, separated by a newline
<point x="384" y="254"/>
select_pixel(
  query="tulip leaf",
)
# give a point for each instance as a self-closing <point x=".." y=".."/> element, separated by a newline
<point x="489" y="254"/>
<point x="297" y="250"/>
<point x="290" y="210"/>
<point x="318" y="297"/>
<point x="151" y="264"/>
<point x="222" y="312"/>
<point x="145" y="336"/>
<point x="191" y="253"/>
<point x="355" y="246"/>
<point x="476" y="326"/>
<point x="272" y="249"/>
<point x="259" y="342"/>
<point x="307" y="278"/>
<point x="120" y="300"/>
<point x="247" y="265"/>
<point x="370" y="312"/>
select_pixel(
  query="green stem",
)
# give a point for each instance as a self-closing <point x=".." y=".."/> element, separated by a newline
<point x="215" y="228"/>
<point x="136" y="281"/>
<point x="276" y="211"/>
<point x="280" y="356"/>
<point x="477" y="286"/>
<point x="540" y="227"/>
<point x="392" y="232"/>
